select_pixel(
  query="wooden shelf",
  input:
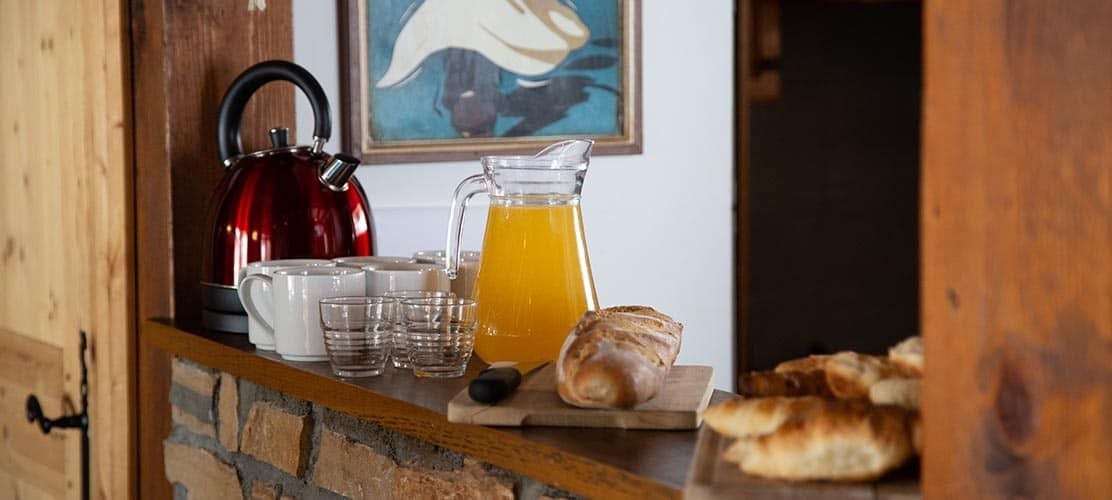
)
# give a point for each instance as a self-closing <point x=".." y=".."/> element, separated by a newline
<point x="604" y="463"/>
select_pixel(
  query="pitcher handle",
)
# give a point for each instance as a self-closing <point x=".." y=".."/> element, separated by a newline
<point x="470" y="186"/>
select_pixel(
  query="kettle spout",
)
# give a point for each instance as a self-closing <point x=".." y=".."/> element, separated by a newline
<point x="337" y="171"/>
<point x="568" y="153"/>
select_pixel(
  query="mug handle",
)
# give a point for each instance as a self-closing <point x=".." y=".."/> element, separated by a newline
<point x="244" y="291"/>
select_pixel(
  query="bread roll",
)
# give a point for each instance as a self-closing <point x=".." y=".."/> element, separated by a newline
<point x="836" y="440"/>
<point x="908" y="355"/>
<point x="617" y="357"/>
<point x="743" y="417"/>
<point x="764" y="384"/>
<point x="812" y="363"/>
<point x="915" y="425"/>
<point x="902" y="392"/>
<point x="850" y="374"/>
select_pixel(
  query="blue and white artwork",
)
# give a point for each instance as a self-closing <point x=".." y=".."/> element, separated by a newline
<point x="452" y="69"/>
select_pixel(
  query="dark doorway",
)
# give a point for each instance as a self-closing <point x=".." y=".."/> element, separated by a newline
<point x="833" y="169"/>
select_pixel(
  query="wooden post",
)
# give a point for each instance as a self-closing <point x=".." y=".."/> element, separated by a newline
<point x="185" y="55"/>
<point x="1017" y="243"/>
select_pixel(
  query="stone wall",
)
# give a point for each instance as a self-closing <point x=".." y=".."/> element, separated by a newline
<point x="235" y="439"/>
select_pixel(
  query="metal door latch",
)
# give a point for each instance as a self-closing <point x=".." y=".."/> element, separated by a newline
<point x="78" y="421"/>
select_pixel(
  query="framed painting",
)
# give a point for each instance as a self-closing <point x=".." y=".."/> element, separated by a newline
<point x="425" y="80"/>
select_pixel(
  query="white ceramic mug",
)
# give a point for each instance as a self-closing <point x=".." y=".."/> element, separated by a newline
<point x="370" y="260"/>
<point x="263" y="338"/>
<point x="468" y="268"/>
<point x="297" y="292"/>
<point x="439" y="256"/>
<point x="464" y="283"/>
<point x="386" y="277"/>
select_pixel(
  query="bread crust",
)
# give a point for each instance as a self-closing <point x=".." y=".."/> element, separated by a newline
<point x="617" y="357"/>
<point x="850" y="375"/>
<point x="903" y="392"/>
<point x="791" y="383"/>
<point x="812" y="363"/>
<point x="742" y="417"/>
<point x="837" y="440"/>
<point x="908" y="355"/>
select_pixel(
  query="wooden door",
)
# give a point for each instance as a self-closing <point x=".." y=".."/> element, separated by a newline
<point x="1017" y="249"/>
<point x="66" y="254"/>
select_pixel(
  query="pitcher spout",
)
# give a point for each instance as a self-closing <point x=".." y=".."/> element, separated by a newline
<point x="570" y="153"/>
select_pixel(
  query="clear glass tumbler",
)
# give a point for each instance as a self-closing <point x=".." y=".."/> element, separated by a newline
<point x="399" y="355"/>
<point x="440" y="334"/>
<point x="358" y="333"/>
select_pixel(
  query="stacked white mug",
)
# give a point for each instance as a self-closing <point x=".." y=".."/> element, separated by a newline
<point x="263" y="337"/>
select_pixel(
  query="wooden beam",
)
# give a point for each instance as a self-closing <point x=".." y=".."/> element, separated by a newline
<point x="185" y="55"/>
<point x="1017" y="243"/>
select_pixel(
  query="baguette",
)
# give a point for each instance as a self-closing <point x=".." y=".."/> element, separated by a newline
<point x="788" y="383"/>
<point x="835" y="440"/>
<point x="850" y="375"/>
<point x="908" y="355"/>
<point x="810" y="364"/>
<point x="742" y="417"/>
<point x="617" y="357"/>
<point x="898" y="391"/>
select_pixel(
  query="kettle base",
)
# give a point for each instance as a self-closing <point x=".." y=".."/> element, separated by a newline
<point x="223" y="322"/>
<point x="221" y="298"/>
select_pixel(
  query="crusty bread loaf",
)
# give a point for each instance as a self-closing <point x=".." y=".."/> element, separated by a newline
<point x="915" y="425"/>
<point x="812" y="363"/>
<point x="908" y="355"/>
<point x="850" y="375"/>
<point x="617" y="357"/>
<point x="898" y="391"/>
<point x="742" y="417"/>
<point x="789" y="383"/>
<point x="835" y="440"/>
<point x="872" y="427"/>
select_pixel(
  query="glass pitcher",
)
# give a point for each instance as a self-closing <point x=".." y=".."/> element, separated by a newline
<point x="534" y="279"/>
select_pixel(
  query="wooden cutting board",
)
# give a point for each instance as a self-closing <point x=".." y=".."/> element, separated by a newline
<point x="685" y="394"/>
<point x="713" y="477"/>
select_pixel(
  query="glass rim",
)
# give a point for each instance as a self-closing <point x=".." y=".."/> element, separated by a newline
<point x="439" y="301"/>
<point x="431" y="294"/>
<point x="354" y="300"/>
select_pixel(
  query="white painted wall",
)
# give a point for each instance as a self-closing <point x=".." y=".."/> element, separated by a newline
<point x="659" y="225"/>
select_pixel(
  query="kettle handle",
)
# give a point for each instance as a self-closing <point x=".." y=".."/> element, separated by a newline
<point x="245" y="85"/>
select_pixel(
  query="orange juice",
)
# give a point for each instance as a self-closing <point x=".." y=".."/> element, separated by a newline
<point x="534" y="281"/>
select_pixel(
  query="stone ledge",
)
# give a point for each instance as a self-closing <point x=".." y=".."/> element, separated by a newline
<point x="277" y="437"/>
<point x="227" y="403"/>
<point x="350" y="468"/>
<point x="203" y="474"/>
<point x="192" y="376"/>
<point x="471" y="482"/>
<point x="191" y="423"/>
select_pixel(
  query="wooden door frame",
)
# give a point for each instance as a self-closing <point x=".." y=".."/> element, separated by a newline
<point x="743" y="68"/>
<point x="181" y="67"/>
<point x="1016" y="227"/>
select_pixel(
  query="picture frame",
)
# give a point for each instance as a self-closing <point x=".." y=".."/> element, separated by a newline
<point x="408" y="96"/>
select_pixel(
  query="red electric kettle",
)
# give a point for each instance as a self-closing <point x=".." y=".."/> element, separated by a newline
<point x="281" y="203"/>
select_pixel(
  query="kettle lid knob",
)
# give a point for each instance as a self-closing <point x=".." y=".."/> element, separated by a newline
<point x="279" y="137"/>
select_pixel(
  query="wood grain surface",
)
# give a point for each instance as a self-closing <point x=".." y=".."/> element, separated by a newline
<point x="1017" y="249"/>
<point x="185" y="55"/>
<point x="33" y="464"/>
<point x="678" y="406"/>
<point x="598" y="463"/>
<point x="65" y="241"/>
<point x="713" y="477"/>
